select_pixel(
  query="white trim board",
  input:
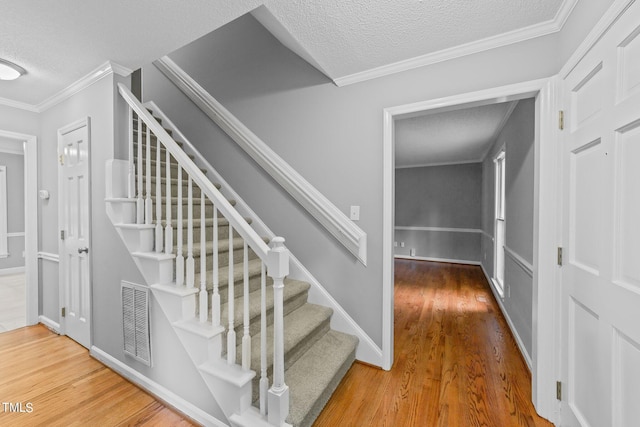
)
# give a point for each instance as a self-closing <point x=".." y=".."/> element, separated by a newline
<point x="444" y="260"/>
<point x="521" y="262"/>
<point x="522" y="34"/>
<point x="82" y="83"/>
<point x="50" y="324"/>
<point x="16" y="234"/>
<point x="158" y="391"/>
<point x="444" y="229"/>
<point x="30" y="146"/>
<point x="545" y="217"/>
<point x="514" y="332"/>
<point x="49" y="256"/>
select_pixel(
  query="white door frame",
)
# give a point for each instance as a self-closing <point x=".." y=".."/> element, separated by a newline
<point x="545" y="223"/>
<point x="31" y="220"/>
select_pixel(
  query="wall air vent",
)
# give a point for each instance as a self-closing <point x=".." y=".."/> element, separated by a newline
<point x="135" y="321"/>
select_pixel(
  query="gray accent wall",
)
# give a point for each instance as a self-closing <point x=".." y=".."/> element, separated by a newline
<point x="518" y="138"/>
<point x="432" y="200"/>
<point x="331" y="135"/>
<point x="15" y="208"/>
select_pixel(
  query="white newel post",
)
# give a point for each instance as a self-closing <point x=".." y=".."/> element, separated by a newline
<point x="278" y="269"/>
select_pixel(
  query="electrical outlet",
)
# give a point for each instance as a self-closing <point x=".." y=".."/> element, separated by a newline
<point x="402" y="244"/>
<point x="412" y="252"/>
<point x="354" y="213"/>
<point x="395" y="244"/>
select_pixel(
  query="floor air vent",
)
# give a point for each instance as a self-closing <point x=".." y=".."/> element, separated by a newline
<point x="135" y="320"/>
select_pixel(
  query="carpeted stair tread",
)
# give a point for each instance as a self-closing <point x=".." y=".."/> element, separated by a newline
<point x="315" y="376"/>
<point x="254" y="267"/>
<point x="301" y="327"/>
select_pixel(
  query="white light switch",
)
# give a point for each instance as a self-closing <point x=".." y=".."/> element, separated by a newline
<point x="355" y="213"/>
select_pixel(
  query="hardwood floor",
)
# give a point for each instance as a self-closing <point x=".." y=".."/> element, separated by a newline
<point x="54" y="382"/>
<point x="456" y="363"/>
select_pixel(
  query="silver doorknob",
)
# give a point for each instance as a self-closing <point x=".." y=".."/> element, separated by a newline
<point x="85" y="250"/>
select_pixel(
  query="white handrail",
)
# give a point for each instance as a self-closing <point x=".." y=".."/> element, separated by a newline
<point x="325" y="212"/>
<point x="240" y="225"/>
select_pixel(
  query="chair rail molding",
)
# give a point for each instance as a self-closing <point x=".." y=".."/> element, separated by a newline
<point x="325" y="212"/>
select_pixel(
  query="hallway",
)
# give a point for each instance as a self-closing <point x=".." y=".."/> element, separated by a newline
<point x="456" y="363"/>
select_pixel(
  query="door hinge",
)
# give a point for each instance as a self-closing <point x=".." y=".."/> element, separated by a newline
<point x="560" y="256"/>
<point x="558" y="390"/>
<point x="63" y="312"/>
<point x="61" y="158"/>
<point x="61" y="234"/>
<point x="561" y="119"/>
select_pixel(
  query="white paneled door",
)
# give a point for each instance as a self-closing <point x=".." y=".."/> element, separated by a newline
<point x="601" y="231"/>
<point x="74" y="220"/>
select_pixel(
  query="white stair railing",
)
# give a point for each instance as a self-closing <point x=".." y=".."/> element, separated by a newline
<point x="274" y="402"/>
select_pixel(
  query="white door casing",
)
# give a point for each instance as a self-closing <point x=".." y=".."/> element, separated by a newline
<point x="74" y="220"/>
<point x="600" y="297"/>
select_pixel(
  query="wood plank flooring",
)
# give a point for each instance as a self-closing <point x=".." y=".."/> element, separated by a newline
<point x="456" y="363"/>
<point x="54" y="382"/>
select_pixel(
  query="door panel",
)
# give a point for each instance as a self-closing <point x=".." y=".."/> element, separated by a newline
<point x="601" y="231"/>
<point x="73" y="146"/>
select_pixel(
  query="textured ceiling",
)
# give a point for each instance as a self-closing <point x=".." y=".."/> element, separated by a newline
<point x="459" y="136"/>
<point x="60" y="41"/>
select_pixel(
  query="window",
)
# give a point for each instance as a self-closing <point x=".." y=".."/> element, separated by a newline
<point x="498" y="271"/>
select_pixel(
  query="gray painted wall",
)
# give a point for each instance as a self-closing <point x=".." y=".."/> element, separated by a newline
<point x="442" y="197"/>
<point x="15" y="208"/>
<point x="518" y="137"/>
<point x="331" y="135"/>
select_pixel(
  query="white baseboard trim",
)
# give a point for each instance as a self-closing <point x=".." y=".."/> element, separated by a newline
<point x="447" y="260"/>
<point x="49" y="256"/>
<point x="161" y="393"/>
<point x="519" y="342"/>
<point x="54" y="326"/>
<point x="11" y="271"/>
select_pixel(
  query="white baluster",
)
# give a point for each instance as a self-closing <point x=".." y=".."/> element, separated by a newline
<point x="278" y="400"/>
<point x="168" y="230"/>
<point x="159" y="236"/>
<point x="231" y="334"/>
<point x="190" y="261"/>
<point x="179" y="256"/>
<point x="131" y="179"/>
<point x="246" y="337"/>
<point x="140" y="200"/>
<point x="204" y="306"/>
<point x="215" y="298"/>
<point x="148" y="203"/>
<point x="264" y="380"/>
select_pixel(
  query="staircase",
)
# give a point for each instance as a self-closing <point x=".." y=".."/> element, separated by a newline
<point x="269" y="357"/>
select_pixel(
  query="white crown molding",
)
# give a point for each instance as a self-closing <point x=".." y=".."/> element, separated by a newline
<point x="94" y="76"/>
<point x="84" y="82"/>
<point x="19" y="105"/>
<point x="500" y="128"/>
<point x="428" y="165"/>
<point x="520" y="35"/>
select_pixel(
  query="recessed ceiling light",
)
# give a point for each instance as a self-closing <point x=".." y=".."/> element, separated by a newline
<point x="10" y="71"/>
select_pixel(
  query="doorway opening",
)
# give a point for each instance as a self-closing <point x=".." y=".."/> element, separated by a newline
<point x="18" y="212"/>
<point x="499" y="222"/>
<point x="544" y="211"/>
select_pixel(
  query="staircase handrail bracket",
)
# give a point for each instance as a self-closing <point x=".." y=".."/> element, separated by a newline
<point x="239" y="224"/>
